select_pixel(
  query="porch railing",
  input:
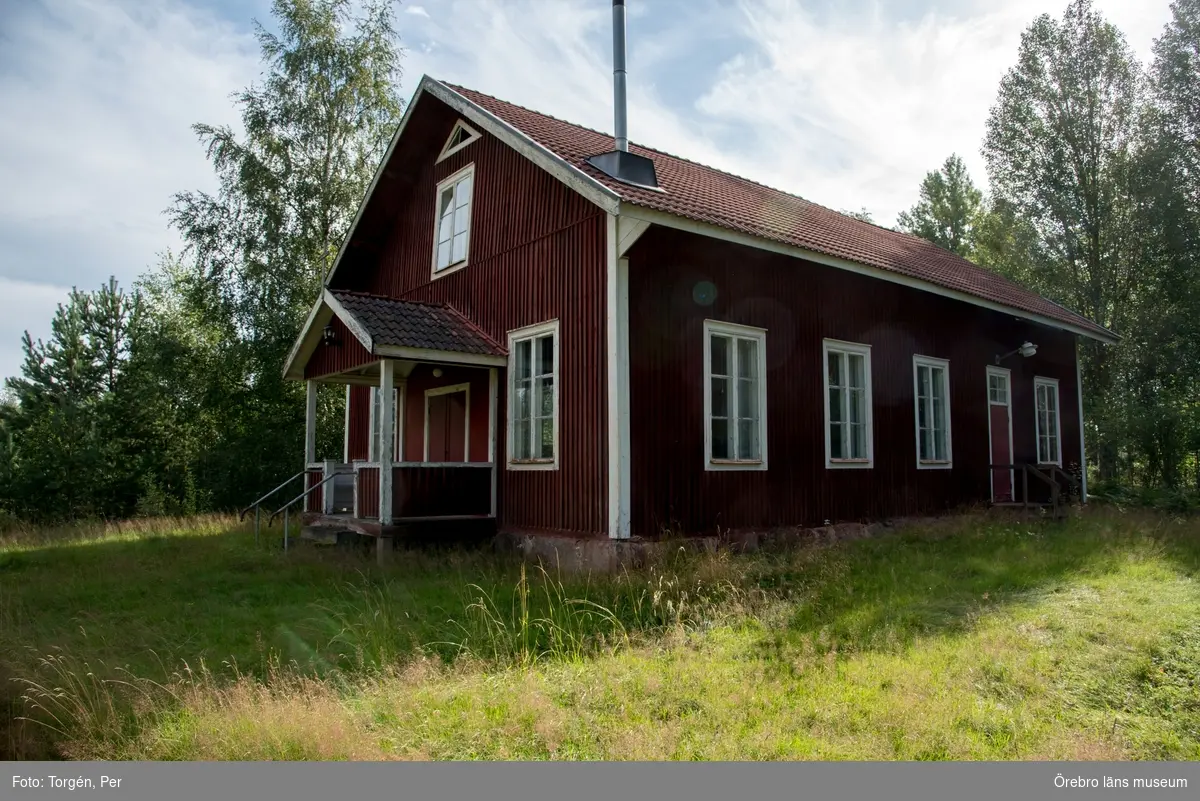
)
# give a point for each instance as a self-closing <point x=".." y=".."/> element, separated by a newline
<point x="286" y="508"/>
<point x="1052" y="476"/>
<point x="424" y="491"/>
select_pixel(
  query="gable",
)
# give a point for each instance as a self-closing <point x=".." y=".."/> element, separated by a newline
<point x="460" y="136"/>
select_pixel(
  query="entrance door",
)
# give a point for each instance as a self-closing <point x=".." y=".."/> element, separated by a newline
<point x="446" y="424"/>
<point x="1000" y="432"/>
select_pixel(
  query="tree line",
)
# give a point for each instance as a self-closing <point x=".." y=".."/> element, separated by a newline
<point x="1093" y="200"/>
<point x="168" y="398"/>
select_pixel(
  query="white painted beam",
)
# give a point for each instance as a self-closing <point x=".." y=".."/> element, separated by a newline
<point x="617" y="361"/>
<point x="310" y="422"/>
<point x="493" y="432"/>
<point x="386" y="440"/>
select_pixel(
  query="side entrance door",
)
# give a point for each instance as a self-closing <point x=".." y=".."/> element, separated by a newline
<point x="1000" y="432"/>
<point x="446" y="422"/>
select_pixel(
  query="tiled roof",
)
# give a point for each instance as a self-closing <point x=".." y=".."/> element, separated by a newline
<point x="407" y="324"/>
<point x="708" y="195"/>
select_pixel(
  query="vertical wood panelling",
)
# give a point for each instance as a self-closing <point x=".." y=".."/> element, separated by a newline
<point x="537" y="253"/>
<point x="422" y="379"/>
<point x="368" y="491"/>
<point x="345" y="353"/>
<point x="315" y="500"/>
<point x="672" y="276"/>
<point x="430" y="491"/>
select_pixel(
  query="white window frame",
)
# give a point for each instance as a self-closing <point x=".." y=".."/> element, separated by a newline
<point x="930" y="361"/>
<point x="1006" y="374"/>
<point x="1038" y="382"/>
<point x="447" y="150"/>
<point x="449" y="183"/>
<point x="450" y="390"/>
<point x="858" y="349"/>
<point x="720" y="328"/>
<point x="397" y="425"/>
<point x="515" y="336"/>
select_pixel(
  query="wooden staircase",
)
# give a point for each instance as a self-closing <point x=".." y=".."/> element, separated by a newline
<point x="1059" y="481"/>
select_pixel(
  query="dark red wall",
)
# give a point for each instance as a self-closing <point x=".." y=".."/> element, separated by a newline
<point x="345" y="353"/>
<point x="537" y="253"/>
<point x="800" y="304"/>
<point x="422" y="379"/>
<point x="360" y="422"/>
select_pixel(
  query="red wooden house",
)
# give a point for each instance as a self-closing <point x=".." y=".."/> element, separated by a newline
<point x="537" y="327"/>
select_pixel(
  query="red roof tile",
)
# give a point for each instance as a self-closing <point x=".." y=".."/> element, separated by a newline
<point x="711" y="196"/>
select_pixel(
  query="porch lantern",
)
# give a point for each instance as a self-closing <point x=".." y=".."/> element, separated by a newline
<point x="1027" y="349"/>
<point x="329" y="336"/>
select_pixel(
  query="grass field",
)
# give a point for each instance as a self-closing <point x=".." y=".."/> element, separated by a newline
<point x="968" y="639"/>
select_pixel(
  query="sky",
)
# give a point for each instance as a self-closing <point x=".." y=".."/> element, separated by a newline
<point x="844" y="102"/>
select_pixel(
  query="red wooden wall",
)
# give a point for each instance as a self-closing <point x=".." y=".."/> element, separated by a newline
<point x="537" y="253"/>
<point x="800" y="304"/>
<point x="345" y="353"/>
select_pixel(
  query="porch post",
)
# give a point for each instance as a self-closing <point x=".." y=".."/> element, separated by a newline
<point x="617" y="324"/>
<point x="310" y="423"/>
<point x="387" y="410"/>
<point x="1082" y="448"/>
<point x="493" y="398"/>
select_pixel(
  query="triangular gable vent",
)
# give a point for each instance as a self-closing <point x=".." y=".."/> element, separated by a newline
<point x="460" y="137"/>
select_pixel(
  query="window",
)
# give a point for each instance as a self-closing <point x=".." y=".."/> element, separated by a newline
<point x="1045" y="391"/>
<point x="997" y="387"/>
<point x="376" y="416"/>
<point x="735" y="399"/>
<point x="931" y="384"/>
<point x="453" y="234"/>
<point x="533" y="397"/>
<point x="848" y="430"/>
<point x="461" y="136"/>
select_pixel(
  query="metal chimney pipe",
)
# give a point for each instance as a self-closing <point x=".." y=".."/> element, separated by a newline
<point x="622" y="134"/>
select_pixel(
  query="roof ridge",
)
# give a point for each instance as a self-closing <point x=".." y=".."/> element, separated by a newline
<point x="388" y="299"/>
<point x="474" y="326"/>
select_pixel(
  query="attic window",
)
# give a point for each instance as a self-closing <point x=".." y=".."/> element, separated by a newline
<point x="460" y="137"/>
<point x="452" y="227"/>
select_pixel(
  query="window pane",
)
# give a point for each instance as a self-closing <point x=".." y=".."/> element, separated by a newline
<point x="720" y="397"/>
<point x="1041" y="397"/>
<point x="1051" y="400"/>
<point x="858" y="442"/>
<point x="720" y="439"/>
<point x="546" y="395"/>
<point x="546" y="440"/>
<point x="462" y="192"/>
<point x="462" y="217"/>
<point x="836" y="447"/>
<point x="747" y="439"/>
<point x="521" y="429"/>
<point x="858" y="411"/>
<point x="747" y="358"/>
<point x="923" y="383"/>
<point x="446" y="228"/>
<point x="720" y="355"/>
<point x="545" y="364"/>
<point x="443" y="255"/>
<point x="835" y="405"/>
<point x="446" y="202"/>
<point x="522" y="358"/>
<point x="938" y="379"/>
<point x="835" y="369"/>
<point x="939" y="444"/>
<point x="460" y="248"/>
<point x="524" y="403"/>
<point x="747" y="400"/>
<point x="857" y="379"/>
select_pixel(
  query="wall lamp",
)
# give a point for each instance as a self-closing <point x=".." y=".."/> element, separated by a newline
<point x="1027" y="349"/>
<point x="329" y="336"/>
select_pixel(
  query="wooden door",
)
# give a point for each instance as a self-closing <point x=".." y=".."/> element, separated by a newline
<point x="446" y="427"/>
<point x="1000" y="432"/>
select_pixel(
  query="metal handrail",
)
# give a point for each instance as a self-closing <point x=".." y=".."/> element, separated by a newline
<point x="305" y="471"/>
<point x="304" y="495"/>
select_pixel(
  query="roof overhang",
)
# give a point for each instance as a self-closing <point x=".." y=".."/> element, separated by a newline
<point x="328" y="306"/>
<point x="655" y="217"/>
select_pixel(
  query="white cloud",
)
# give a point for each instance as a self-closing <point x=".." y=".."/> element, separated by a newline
<point x="416" y="10"/>
<point x="107" y="92"/>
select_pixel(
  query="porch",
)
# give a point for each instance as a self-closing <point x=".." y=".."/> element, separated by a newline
<point x="420" y="436"/>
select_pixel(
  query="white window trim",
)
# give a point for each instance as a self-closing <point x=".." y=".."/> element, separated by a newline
<point x="514" y="336"/>
<point x="397" y="427"/>
<point x="1040" y="381"/>
<point x="450" y="390"/>
<point x="1006" y="374"/>
<point x="745" y="331"/>
<point x="857" y="348"/>
<point x="453" y="267"/>
<point x="930" y="361"/>
<point x="448" y="151"/>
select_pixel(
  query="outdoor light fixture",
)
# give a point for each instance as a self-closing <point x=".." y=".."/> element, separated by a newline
<point x="437" y="372"/>
<point x="1027" y="349"/>
<point x="329" y="336"/>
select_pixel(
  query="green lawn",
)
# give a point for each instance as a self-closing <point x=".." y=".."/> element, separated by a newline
<point x="969" y="639"/>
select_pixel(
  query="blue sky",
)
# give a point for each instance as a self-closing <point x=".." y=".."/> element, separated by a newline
<point x="845" y="103"/>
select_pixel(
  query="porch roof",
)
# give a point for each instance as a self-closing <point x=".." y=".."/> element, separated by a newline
<point x="396" y="329"/>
